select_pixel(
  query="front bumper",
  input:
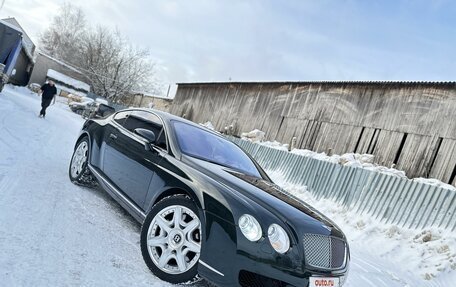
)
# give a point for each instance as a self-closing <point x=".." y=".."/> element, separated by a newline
<point x="228" y="259"/>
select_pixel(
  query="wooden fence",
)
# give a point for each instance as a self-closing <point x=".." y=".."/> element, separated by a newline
<point x="411" y="125"/>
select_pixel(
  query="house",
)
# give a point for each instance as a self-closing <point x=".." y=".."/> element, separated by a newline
<point x="25" y="62"/>
<point x="67" y="85"/>
<point x="68" y="79"/>
<point x="45" y="62"/>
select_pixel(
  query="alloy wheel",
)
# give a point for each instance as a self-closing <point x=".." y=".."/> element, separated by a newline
<point x="79" y="159"/>
<point x="174" y="239"/>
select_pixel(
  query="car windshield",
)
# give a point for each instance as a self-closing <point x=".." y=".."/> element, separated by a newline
<point x="199" y="143"/>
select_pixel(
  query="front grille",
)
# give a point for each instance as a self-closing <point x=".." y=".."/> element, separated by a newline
<point x="249" y="279"/>
<point x="324" y="252"/>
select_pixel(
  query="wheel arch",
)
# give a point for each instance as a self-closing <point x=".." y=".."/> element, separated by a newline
<point x="175" y="191"/>
<point x="81" y="136"/>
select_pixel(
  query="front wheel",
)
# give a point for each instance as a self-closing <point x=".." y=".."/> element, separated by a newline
<point x="79" y="170"/>
<point x="171" y="239"/>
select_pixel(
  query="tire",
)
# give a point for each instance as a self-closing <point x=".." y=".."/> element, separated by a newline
<point x="172" y="251"/>
<point x="79" y="171"/>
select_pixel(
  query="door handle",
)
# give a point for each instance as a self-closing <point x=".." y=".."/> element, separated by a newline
<point x="113" y="136"/>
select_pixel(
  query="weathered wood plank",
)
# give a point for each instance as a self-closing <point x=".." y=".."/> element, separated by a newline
<point x="445" y="161"/>
<point x="338" y="116"/>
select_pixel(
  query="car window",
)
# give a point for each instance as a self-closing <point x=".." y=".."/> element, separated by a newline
<point x="120" y="117"/>
<point x="149" y="121"/>
<point x="104" y="110"/>
<point x="202" y="144"/>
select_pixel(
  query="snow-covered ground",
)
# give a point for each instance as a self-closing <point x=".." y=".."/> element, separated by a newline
<point x="53" y="233"/>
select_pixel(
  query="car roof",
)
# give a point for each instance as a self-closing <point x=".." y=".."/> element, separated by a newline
<point x="169" y="117"/>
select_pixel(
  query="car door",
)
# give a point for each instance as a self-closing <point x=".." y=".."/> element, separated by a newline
<point x="127" y="162"/>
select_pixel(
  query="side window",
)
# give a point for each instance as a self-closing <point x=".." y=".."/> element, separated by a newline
<point x="121" y="117"/>
<point x="146" y="120"/>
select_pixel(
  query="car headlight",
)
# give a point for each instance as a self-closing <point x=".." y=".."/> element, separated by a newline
<point x="250" y="227"/>
<point x="279" y="238"/>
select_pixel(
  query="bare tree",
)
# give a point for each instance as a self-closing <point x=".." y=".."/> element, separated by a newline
<point x="63" y="37"/>
<point x="114" y="66"/>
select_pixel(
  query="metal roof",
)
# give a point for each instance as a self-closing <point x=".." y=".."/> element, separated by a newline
<point x="384" y="83"/>
<point x="14" y="27"/>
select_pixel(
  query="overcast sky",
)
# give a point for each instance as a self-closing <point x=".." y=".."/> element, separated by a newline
<point x="260" y="40"/>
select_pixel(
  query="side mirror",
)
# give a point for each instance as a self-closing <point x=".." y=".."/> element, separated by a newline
<point x="147" y="134"/>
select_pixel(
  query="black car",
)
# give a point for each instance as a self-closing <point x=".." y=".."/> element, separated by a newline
<point x="96" y="110"/>
<point x="79" y="107"/>
<point x="206" y="206"/>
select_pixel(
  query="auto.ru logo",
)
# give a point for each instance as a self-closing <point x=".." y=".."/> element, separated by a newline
<point x="324" y="282"/>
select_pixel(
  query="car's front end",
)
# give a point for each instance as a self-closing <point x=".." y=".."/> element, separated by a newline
<point x="311" y="260"/>
<point x="270" y="239"/>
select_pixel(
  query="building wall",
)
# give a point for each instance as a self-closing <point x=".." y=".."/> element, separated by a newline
<point x="409" y="125"/>
<point x="23" y="70"/>
<point x="139" y="100"/>
<point x="44" y="63"/>
<point x="156" y="103"/>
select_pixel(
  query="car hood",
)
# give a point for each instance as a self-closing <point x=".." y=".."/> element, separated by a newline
<point x="292" y="211"/>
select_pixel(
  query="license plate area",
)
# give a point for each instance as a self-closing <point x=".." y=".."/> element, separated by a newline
<point x="323" y="282"/>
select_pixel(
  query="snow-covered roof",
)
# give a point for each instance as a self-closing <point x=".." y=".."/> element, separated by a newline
<point x="64" y="79"/>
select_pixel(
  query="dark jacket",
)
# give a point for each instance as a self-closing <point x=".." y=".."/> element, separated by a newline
<point x="48" y="91"/>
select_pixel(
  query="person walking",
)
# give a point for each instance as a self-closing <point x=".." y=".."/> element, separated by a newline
<point x="48" y="92"/>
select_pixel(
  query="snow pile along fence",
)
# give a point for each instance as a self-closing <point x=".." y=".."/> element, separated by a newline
<point x="389" y="198"/>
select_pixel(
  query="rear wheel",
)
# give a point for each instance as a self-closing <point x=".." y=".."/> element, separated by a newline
<point x="171" y="239"/>
<point x="79" y="170"/>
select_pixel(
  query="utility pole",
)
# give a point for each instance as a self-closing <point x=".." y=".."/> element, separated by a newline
<point x="169" y="87"/>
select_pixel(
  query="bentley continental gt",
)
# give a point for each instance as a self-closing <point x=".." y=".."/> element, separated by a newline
<point x="206" y="207"/>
